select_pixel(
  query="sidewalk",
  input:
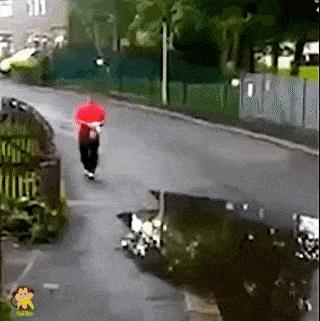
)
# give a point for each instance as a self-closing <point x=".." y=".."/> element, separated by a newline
<point x="17" y="261"/>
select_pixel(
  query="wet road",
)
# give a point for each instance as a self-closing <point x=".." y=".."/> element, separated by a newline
<point x="141" y="150"/>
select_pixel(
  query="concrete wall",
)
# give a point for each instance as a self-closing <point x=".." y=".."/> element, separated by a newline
<point x="20" y="24"/>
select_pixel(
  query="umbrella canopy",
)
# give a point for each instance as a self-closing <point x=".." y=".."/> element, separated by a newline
<point x="90" y="113"/>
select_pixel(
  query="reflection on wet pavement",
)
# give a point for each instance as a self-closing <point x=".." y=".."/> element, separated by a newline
<point x="215" y="247"/>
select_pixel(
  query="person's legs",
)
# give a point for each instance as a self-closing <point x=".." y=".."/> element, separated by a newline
<point x="84" y="153"/>
<point x="93" y="156"/>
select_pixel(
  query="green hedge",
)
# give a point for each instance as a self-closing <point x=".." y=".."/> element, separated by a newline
<point x="178" y="94"/>
<point x="218" y="98"/>
<point x="144" y="90"/>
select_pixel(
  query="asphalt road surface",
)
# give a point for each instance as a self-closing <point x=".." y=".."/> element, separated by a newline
<point x="141" y="151"/>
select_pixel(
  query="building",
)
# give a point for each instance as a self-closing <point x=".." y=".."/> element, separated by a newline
<point x="27" y="22"/>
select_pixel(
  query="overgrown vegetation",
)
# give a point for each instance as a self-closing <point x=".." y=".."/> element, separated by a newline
<point x="5" y="311"/>
<point x="219" y="33"/>
<point x="32" y="71"/>
<point x="236" y="261"/>
<point x="23" y="216"/>
<point x="30" y="220"/>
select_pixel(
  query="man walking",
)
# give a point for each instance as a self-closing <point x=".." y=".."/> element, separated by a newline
<point x="89" y="119"/>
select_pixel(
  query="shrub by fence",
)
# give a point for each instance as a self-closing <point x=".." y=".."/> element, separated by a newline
<point x="34" y="71"/>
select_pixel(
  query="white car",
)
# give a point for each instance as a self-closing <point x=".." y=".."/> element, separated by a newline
<point x="20" y="56"/>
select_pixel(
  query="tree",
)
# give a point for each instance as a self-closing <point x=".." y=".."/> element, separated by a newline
<point x="241" y="31"/>
<point x="230" y="25"/>
<point x="145" y="29"/>
<point x="105" y="21"/>
<point x="192" y="33"/>
<point x="299" y="22"/>
<point x="230" y="32"/>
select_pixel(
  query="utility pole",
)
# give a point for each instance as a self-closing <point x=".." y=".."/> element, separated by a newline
<point x="165" y="63"/>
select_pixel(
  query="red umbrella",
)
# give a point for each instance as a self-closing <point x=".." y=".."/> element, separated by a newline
<point x="90" y="113"/>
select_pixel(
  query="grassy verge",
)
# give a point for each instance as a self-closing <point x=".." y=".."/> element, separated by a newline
<point x="307" y="72"/>
<point x="310" y="73"/>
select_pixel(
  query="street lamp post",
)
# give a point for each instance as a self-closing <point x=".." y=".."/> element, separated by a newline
<point x="164" y="62"/>
<point x="100" y="62"/>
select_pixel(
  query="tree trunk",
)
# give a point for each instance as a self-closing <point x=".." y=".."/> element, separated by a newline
<point x="96" y="37"/>
<point x="298" y="57"/>
<point x="115" y="37"/>
<point x="225" y="51"/>
<point x="243" y="58"/>
<point x="275" y="56"/>
<point x="235" y="48"/>
<point x="252" y="66"/>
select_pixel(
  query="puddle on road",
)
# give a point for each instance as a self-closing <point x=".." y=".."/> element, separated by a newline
<point x="249" y="267"/>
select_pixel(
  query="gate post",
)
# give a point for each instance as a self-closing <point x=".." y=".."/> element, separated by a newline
<point x="50" y="174"/>
<point x="304" y="93"/>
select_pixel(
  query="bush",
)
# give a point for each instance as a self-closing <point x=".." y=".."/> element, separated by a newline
<point x="30" y="64"/>
<point x="31" y="220"/>
<point x="26" y="71"/>
<point x="31" y="71"/>
<point x="5" y="310"/>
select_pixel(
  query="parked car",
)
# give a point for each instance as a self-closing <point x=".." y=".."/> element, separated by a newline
<point x="20" y="56"/>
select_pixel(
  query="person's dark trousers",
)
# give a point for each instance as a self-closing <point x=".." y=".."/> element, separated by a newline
<point x="89" y="155"/>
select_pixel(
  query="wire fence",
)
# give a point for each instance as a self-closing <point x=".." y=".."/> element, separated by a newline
<point x="215" y="98"/>
<point x="199" y="91"/>
<point x="283" y="100"/>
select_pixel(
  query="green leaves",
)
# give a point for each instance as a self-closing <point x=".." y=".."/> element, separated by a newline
<point x="5" y="310"/>
<point x="186" y="15"/>
<point x="31" y="220"/>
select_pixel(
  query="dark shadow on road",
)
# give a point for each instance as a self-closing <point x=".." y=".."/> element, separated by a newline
<point x="249" y="267"/>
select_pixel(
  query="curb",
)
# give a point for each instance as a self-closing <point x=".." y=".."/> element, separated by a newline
<point x="232" y="129"/>
<point x="228" y="128"/>
<point x="27" y="269"/>
<point x="63" y="194"/>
